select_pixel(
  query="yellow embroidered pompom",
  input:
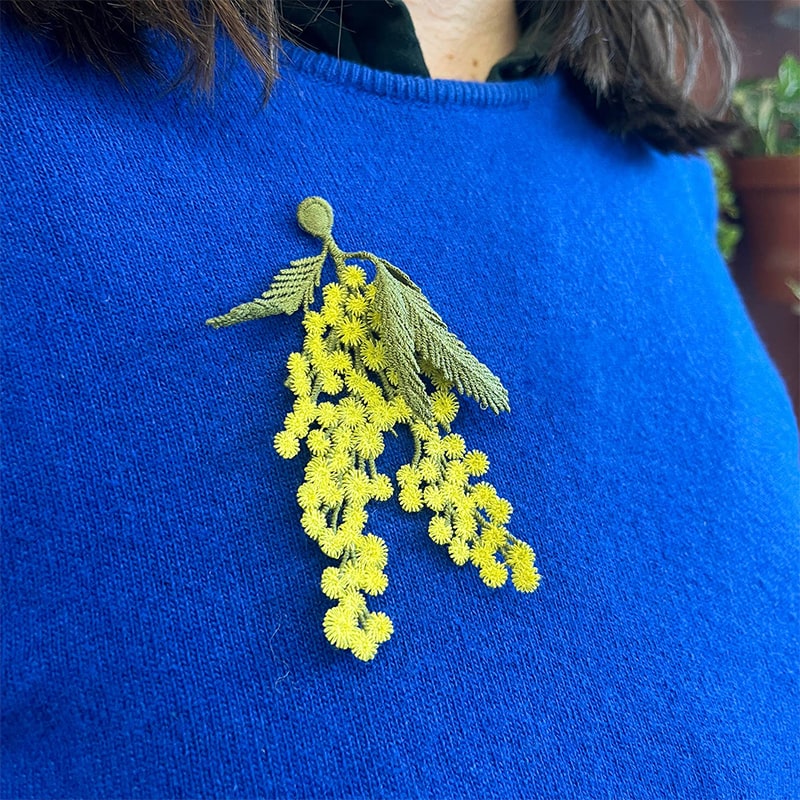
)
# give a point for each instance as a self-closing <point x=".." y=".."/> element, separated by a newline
<point x="433" y="446"/>
<point x="318" y="443"/>
<point x="305" y="408"/>
<point x="435" y="498"/>
<point x="483" y="494"/>
<point x="456" y="473"/>
<point x="525" y="579"/>
<point x="378" y="627"/>
<point x="362" y="646"/>
<point x="477" y="463"/>
<point x="356" y="486"/>
<point x="408" y="476"/>
<point x="286" y="444"/>
<point x="351" y="331"/>
<point x="454" y="445"/>
<point x="295" y="425"/>
<point x="495" y="536"/>
<point x="444" y="407"/>
<point x="373" y="354"/>
<point x="314" y="522"/>
<point x="382" y="488"/>
<point x="352" y="412"/>
<point x="331" y="583"/>
<point x="297" y="363"/>
<point x="369" y="442"/>
<point x="314" y="324"/>
<point x="372" y="550"/>
<point x="334" y="294"/>
<point x="493" y="574"/>
<point x="459" y="551"/>
<point x="357" y="305"/>
<point x="430" y="469"/>
<point x="410" y="498"/>
<point x="439" y="530"/>
<point x="327" y="415"/>
<point x="373" y="581"/>
<point x="308" y="497"/>
<point x="353" y="277"/>
<point x="499" y="511"/>
<point x="339" y="625"/>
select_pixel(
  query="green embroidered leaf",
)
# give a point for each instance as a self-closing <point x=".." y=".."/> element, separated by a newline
<point x="398" y="338"/>
<point x="417" y="337"/>
<point x="291" y="288"/>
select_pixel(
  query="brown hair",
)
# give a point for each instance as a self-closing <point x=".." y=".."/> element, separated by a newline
<point x="635" y="62"/>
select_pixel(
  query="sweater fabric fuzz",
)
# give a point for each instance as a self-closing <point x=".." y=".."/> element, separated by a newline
<point x="161" y="603"/>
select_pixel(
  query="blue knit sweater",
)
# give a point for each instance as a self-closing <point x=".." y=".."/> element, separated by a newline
<point x="162" y="606"/>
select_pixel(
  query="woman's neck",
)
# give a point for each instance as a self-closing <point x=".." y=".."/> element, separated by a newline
<point x="464" y="39"/>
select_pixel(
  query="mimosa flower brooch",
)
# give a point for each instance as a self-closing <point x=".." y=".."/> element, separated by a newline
<point x="376" y="355"/>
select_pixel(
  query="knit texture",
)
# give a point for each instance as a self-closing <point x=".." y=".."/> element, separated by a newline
<point x="161" y="604"/>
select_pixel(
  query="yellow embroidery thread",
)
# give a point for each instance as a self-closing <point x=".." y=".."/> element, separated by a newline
<point x="362" y="371"/>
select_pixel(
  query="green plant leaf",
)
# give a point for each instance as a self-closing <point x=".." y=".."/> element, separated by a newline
<point x="416" y="337"/>
<point x="728" y="233"/>
<point x="770" y="107"/>
<point x="789" y="79"/>
<point x="291" y="288"/>
<point x="767" y="122"/>
<point x="392" y="304"/>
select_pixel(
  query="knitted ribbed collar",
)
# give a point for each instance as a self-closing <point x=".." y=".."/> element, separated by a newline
<point x="542" y="90"/>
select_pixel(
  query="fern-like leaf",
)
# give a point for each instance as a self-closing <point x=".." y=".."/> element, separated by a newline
<point x="416" y="337"/>
<point x="291" y="288"/>
<point x="398" y="339"/>
<point x="436" y="345"/>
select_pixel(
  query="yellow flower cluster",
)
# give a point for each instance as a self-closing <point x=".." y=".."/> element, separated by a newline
<point x="344" y="437"/>
<point x="344" y="434"/>
<point x="469" y="518"/>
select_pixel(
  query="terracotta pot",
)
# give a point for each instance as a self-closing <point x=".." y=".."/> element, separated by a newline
<point x="768" y="190"/>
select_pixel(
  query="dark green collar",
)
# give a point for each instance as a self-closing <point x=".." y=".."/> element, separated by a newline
<point x="380" y="34"/>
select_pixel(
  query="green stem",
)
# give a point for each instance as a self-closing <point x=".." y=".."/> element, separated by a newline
<point x="335" y="516"/>
<point x="417" y="451"/>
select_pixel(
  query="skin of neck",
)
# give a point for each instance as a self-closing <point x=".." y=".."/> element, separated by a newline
<point x="464" y="39"/>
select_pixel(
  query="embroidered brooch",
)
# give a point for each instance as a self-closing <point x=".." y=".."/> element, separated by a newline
<point x="376" y="355"/>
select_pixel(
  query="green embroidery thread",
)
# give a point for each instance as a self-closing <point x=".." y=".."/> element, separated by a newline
<point x="361" y="372"/>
